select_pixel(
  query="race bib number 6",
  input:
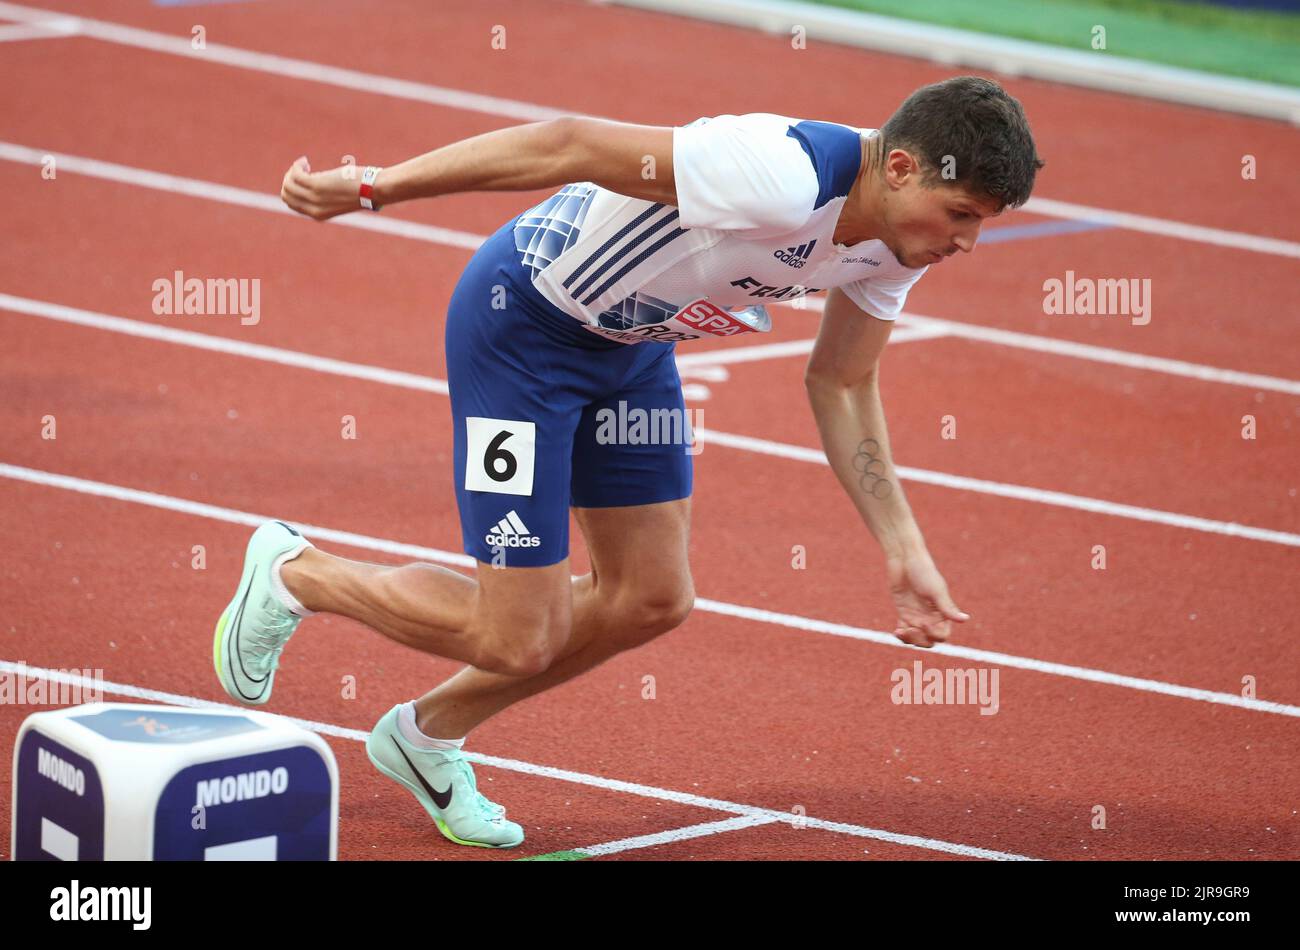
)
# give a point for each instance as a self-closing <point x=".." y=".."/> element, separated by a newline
<point x="499" y="455"/>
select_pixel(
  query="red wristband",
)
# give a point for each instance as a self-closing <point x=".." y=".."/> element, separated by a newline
<point x="367" y="187"/>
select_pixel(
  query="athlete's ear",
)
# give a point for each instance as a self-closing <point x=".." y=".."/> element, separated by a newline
<point x="900" y="167"/>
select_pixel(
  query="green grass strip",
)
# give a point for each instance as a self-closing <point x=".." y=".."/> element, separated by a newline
<point x="557" y="856"/>
<point x="1253" y="44"/>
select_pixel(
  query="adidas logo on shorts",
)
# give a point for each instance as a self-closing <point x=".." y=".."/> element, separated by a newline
<point x="511" y="532"/>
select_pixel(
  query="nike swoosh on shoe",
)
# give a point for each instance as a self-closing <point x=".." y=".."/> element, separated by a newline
<point x="441" y="799"/>
<point x="236" y="655"/>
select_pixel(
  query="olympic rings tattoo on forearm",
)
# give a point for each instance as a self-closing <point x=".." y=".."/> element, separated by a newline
<point x="872" y="467"/>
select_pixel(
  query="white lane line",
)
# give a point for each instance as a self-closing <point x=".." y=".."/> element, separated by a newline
<point x="1086" y="351"/>
<point x="707" y="370"/>
<point x="530" y="112"/>
<point x="306" y="70"/>
<point x="1163" y="227"/>
<point x="743" y="443"/>
<point x="701" y="830"/>
<point x="218" y="513"/>
<point x="917" y="327"/>
<point x="217" y="344"/>
<point x="993" y="658"/>
<point x="799" y="453"/>
<point x="40" y="30"/>
<point x="769" y="351"/>
<point x="747" y="354"/>
<point x="1102" y="354"/>
<point x="529" y="768"/>
<point x="228" y="194"/>
<point x="740" y="611"/>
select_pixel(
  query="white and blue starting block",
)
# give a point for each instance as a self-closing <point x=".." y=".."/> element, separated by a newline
<point x="136" y="782"/>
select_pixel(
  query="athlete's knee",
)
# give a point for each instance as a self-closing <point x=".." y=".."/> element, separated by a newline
<point x="646" y="614"/>
<point x="514" y="660"/>
<point x="521" y="620"/>
<point x="523" y="646"/>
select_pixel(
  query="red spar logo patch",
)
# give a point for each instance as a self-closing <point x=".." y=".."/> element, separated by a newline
<point x="712" y="319"/>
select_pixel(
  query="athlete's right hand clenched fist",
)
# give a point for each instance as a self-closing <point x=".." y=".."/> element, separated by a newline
<point x="321" y="195"/>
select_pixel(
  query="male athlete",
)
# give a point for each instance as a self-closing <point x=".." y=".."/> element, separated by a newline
<point x="657" y="235"/>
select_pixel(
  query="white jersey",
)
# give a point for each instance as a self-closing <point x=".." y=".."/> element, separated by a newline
<point x="758" y="198"/>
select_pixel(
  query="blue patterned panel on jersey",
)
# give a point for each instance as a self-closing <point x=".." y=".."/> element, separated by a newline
<point x="636" y="242"/>
<point x="836" y="154"/>
<point x="636" y="310"/>
<point x="546" y="231"/>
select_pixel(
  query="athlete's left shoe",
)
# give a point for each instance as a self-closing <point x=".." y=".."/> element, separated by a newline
<point x="443" y="782"/>
<point x="256" y="625"/>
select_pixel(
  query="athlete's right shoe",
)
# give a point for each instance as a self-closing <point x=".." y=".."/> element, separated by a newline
<point x="256" y="625"/>
<point x="443" y="782"/>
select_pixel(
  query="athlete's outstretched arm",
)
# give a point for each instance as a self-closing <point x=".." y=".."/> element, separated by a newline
<point x="634" y="160"/>
<point x="842" y="379"/>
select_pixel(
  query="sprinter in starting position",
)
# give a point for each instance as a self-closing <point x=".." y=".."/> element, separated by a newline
<point x="573" y="309"/>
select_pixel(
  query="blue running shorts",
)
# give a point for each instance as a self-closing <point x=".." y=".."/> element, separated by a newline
<point x="535" y="404"/>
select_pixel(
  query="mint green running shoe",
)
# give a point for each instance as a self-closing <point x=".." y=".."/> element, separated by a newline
<point x="254" y="628"/>
<point x="443" y="782"/>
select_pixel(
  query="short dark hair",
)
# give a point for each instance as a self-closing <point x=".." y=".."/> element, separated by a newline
<point x="973" y="127"/>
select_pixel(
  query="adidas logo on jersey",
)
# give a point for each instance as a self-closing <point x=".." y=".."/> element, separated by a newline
<point x="511" y="532"/>
<point x="796" y="256"/>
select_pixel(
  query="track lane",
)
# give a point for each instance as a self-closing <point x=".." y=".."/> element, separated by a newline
<point x="1006" y="560"/>
<point x="1196" y="320"/>
<point x="1178" y="833"/>
<point x="776" y="733"/>
<point x="1186" y="158"/>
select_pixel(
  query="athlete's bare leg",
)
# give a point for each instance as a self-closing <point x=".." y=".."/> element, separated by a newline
<point x="522" y="629"/>
<point x="512" y="620"/>
<point x="640" y="587"/>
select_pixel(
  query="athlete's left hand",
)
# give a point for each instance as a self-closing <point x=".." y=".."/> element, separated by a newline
<point x="321" y="195"/>
<point x="925" y="610"/>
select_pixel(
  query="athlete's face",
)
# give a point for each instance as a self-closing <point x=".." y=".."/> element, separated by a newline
<point x="927" y="222"/>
